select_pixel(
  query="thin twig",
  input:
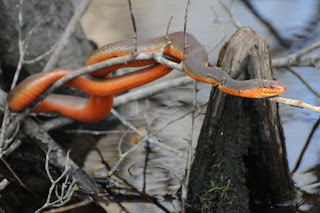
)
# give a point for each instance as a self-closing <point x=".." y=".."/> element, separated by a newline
<point x="185" y="29"/>
<point x="146" y="138"/>
<point x="136" y="146"/>
<point x="135" y="37"/>
<point x="15" y="175"/>
<point x="306" y="50"/>
<point x="158" y="57"/>
<point x="216" y="20"/>
<point x="185" y="184"/>
<point x="267" y="23"/>
<point x="293" y="71"/>
<point x="295" y="59"/>
<point x="121" y="141"/>
<point x="184" y="192"/>
<point x="70" y="207"/>
<point x="40" y="57"/>
<point x="218" y="43"/>
<point x="235" y="22"/>
<point x="152" y="90"/>
<point x="168" y="27"/>
<point x="312" y="60"/>
<point x="314" y="128"/>
<point x="12" y="147"/>
<point x="145" y="168"/>
<point x="56" y="123"/>
<point x="5" y="119"/>
<point x="296" y="103"/>
<point x="21" y="49"/>
<point x="5" y="133"/>
<point x="55" y="57"/>
<point x="96" y="132"/>
<point x="65" y="196"/>
<point x="123" y="156"/>
<point x="133" y="188"/>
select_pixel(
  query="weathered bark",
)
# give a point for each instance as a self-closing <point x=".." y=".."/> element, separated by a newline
<point x="241" y="155"/>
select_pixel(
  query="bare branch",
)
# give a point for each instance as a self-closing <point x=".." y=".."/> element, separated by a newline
<point x="96" y="132"/>
<point x="219" y="42"/>
<point x="121" y="141"/>
<point x="123" y="156"/>
<point x="5" y="133"/>
<point x="267" y="23"/>
<point x="216" y="20"/>
<point x="305" y="50"/>
<point x="185" y="184"/>
<point x="7" y="165"/>
<point x="64" y="196"/>
<point x="69" y="207"/>
<point x="297" y="59"/>
<point x="185" y="28"/>
<point x="133" y="188"/>
<point x="235" y="22"/>
<point x="135" y="37"/>
<point x="152" y="90"/>
<point x="314" y="128"/>
<point x="293" y="71"/>
<point x="58" y="158"/>
<point x="158" y="57"/>
<point x="147" y="137"/>
<point x="40" y="57"/>
<point x="56" y="123"/>
<point x="146" y="160"/>
<point x="54" y="59"/>
<point x="21" y="49"/>
<point x="296" y="103"/>
<point x="12" y="147"/>
<point x="5" y="119"/>
<point x="168" y="27"/>
<point x="184" y="192"/>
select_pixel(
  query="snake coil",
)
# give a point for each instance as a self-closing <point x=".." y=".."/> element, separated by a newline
<point x="101" y="86"/>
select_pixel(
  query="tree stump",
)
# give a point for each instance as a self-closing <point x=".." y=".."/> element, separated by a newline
<point x="241" y="156"/>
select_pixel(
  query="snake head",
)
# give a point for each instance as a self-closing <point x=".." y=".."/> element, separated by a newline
<point x="271" y="88"/>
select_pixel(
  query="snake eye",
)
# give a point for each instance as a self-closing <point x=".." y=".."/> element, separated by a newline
<point x="271" y="86"/>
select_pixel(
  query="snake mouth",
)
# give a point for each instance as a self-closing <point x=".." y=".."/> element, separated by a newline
<point x="272" y="88"/>
<point x="268" y="90"/>
<point x="272" y="92"/>
<point x="255" y="88"/>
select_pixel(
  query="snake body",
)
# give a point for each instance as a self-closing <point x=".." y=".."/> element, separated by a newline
<point x="101" y="86"/>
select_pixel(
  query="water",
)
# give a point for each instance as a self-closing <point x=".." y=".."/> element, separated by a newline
<point x="108" y="21"/>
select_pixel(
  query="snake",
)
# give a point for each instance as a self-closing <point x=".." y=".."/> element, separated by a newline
<point x="101" y="86"/>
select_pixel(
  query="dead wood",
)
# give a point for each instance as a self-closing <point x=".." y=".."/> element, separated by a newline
<point x="241" y="155"/>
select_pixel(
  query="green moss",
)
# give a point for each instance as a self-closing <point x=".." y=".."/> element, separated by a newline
<point x="213" y="192"/>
